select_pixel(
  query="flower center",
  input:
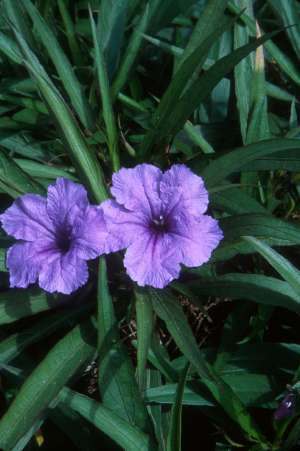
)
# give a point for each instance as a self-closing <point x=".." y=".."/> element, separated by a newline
<point x="63" y="240"/>
<point x="159" y="224"/>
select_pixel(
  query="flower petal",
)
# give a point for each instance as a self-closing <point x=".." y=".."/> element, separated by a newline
<point x="27" y="218"/>
<point x="152" y="260"/>
<point x="195" y="238"/>
<point x="22" y="266"/>
<point x="138" y="188"/>
<point x="180" y="179"/>
<point x="123" y="226"/>
<point x="65" y="200"/>
<point x="90" y="234"/>
<point x="64" y="273"/>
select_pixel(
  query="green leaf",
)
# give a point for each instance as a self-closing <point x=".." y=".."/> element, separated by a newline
<point x="155" y="411"/>
<point x="235" y="201"/>
<point x="64" y="9"/>
<point x="255" y="287"/>
<point x="84" y="160"/>
<point x="3" y="267"/>
<point x="45" y="382"/>
<point x="108" y="114"/>
<point x="110" y="30"/>
<point x="178" y="85"/>
<point x="253" y="390"/>
<point x="38" y="170"/>
<point x="145" y="326"/>
<point x="123" y="433"/>
<point x="15" y="344"/>
<point x="17" y="303"/>
<point x="266" y="227"/>
<point x="14" y="180"/>
<point x="10" y="48"/>
<point x="208" y="21"/>
<point x="281" y="58"/>
<point x="117" y="384"/>
<point x="62" y="65"/>
<point x="23" y="144"/>
<point x="80" y="432"/>
<point x="243" y="70"/>
<point x="174" y="436"/>
<point x="288" y="14"/>
<point x="281" y="232"/>
<point x="234" y="160"/>
<point x="286" y="161"/>
<point x="131" y="54"/>
<point x="168" y="309"/>
<point x="168" y="125"/>
<point x="15" y="14"/>
<point x="281" y="264"/>
<point x="292" y="440"/>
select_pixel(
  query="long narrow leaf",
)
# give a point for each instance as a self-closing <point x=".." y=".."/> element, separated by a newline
<point x="108" y="114"/>
<point x="281" y="264"/>
<point x="123" y="433"/>
<point x="44" y="384"/>
<point x="62" y="64"/>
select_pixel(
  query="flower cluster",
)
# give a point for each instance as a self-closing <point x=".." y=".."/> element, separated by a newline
<point x="157" y="217"/>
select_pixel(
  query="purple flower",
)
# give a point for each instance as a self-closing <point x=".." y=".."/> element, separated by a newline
<point x="286" y="408"/>
<point x="159" y="217"/>
<point x="58" y="234"/>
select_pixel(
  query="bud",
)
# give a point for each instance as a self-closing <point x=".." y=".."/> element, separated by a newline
<point x="286" y="408"/>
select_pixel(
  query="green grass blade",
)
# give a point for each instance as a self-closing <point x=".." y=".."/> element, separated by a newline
<point x="16" y="304"/>
<point x="169" y="102"/>
<point x="84" y="160"/>
<point x="122" y="432"/>
<point x="288" y="14"/>
<point x="10" y="48"/>
<point x="130" y="55"/>
<point x="62" y="65"/>
<point x="281" y="58"/>
<point x="39" y="170"/>
<point x="111" y="28"/>
<point x="16" y="343"/>
<point x="281" y="264"/>
<point x="117" y="384"/>
<point x="243" y="70"/>
<point x="234" y="161"/>
<point x="145" y="325"/>
<point x="208" y="21"/>
<point x="200" y="89"/>
<point x="258" y="125"/>
<point x="174" y="436"/>
<point x="15" y="14"/>
<point x="255" y="287"/>
<point x="168" y="309"/>
<point x="44" y="384"/>
<point x="64" y="9"/>
<point x="107" y="110"/>
<point x="168" y="121"/>
<point x="14" y="180"/>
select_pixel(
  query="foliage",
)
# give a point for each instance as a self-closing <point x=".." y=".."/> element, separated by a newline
<point x="88" y="87"/>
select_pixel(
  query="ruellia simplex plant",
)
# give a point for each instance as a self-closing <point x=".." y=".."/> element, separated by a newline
<point x="149" y="184"/>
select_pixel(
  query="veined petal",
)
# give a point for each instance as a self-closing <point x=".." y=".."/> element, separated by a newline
<point x="90" y="235"/>
<point x="64" y="273"/>
<point x="123" y="226"/>
<point x="152" y="260"/>
<point x="180" y="181"/>
<point x="195" y="238"/>
<point x="27" y="218"/>
<point x="65" y="200"/>
<point x="23" y="269"/>
<point x="138" y="188"/>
